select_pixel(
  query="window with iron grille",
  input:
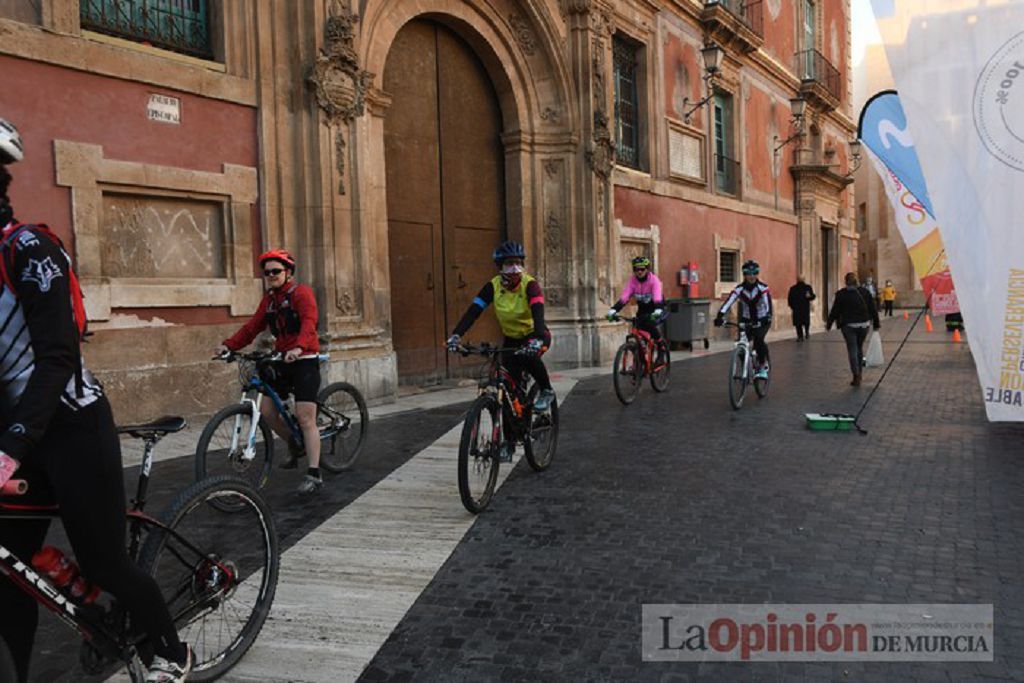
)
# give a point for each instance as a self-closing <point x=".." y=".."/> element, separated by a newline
<point x="727" y="266"/>
<point x="177" y="25"/>
<point x="627" y="102"/>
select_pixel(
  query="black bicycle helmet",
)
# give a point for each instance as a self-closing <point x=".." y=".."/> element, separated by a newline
<point x="751" y="267"/>
<point x="507" y="250"/>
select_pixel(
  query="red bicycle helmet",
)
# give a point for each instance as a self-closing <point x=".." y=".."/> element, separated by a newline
<point x="281" y="255"/>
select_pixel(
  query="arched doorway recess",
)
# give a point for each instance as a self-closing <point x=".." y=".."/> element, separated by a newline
<point x="445" y="191"/>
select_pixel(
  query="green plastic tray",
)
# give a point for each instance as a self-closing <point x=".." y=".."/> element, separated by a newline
<point x="829" y="422"/>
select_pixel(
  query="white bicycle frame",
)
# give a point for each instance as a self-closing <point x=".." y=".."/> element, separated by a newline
<point x="749" y="353"/>
<point x="254" y="403"/>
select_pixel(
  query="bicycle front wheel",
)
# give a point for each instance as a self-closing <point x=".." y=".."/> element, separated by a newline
<point x="662" y="367"/>
<point x="738" y="377"/>
<point x="478" y="453"/>
<point x="761" y="386"/>
<point x="225" y="448"/>
<point x="7" y="669"/>
<point x="627" y="373"/>
<point x="539" y="444"/>
<point x="217" y="571"/>
<point x="343" y="421"/>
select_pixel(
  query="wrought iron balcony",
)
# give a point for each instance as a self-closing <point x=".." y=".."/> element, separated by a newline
<point x="177" y="25"/>
<point x="727" y="174"/>
<point x="739" y="23"/>
<point x="820" y="81"/>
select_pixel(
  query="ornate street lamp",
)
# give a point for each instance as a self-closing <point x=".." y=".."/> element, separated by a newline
<point x="797" y="106"/>
<point x="712" y="55"/>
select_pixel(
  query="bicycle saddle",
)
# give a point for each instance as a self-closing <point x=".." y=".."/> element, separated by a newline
<point x="159" y="427"/>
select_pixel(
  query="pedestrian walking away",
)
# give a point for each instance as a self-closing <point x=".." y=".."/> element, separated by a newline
<point x="289" y="310"/>
<point x="58" y="434"/>
<point x="854" y="311"/>
<point x="888" y="297"/>
<point x="755" y="306"/>
<point x="800" y="297"/>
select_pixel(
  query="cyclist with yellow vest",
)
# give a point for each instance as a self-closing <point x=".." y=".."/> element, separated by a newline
<point x="519" y="308"/>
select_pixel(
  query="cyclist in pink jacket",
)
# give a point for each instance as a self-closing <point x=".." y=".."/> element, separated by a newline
<point x="644" y="287"/>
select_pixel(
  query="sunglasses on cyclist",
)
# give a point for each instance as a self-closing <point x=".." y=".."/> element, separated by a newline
<point x="641" y="269"/>
<point x="271" y="272"/>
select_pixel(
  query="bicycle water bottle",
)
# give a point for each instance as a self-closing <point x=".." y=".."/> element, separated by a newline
<point x="53" y="564"/>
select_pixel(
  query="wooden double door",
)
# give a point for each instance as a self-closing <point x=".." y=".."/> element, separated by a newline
<point x="445" y="193"/>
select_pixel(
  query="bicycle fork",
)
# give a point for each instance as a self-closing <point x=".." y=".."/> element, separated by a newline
<point x="249" y="452"/>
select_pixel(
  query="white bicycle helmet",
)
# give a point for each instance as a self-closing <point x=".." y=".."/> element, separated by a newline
<point x="11" y="149"/>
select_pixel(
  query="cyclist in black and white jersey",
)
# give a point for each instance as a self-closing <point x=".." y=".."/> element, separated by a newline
<point x="57" y="432"/>
<point x="755" y="306"/>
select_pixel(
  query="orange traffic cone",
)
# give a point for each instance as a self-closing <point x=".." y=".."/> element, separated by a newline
<point x="928" y="323"/>
<point x="905" y="315"/>
<point x="956" y="335"/>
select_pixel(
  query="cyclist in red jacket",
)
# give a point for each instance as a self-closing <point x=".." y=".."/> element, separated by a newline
<point x="289" y="310"/>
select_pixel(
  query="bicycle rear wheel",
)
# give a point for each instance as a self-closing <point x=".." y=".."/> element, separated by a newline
<point x="343" y="421"/>
<point x="224" y="449"/>
<point x="662" y="366"/>
<point x="217" y="571"/>
<point x="478" y="453"/>
<point x="737" y="379"/>
<point x="627" y="372"/>
<point x="542" y="438"/>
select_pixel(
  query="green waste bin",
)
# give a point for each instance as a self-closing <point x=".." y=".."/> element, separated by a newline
<point x="688" y="321"/>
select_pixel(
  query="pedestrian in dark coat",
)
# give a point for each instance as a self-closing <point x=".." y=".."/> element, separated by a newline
<point x="854" y="311"/>
<point x="800" y="297"/>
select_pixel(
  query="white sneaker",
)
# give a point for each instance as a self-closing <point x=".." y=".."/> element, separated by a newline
<point x="165" y="671"/>
<point x="310" y="484"/>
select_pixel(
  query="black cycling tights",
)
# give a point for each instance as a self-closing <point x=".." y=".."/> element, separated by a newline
<point x="78" y="465"/>
<point x="532" y="365"/>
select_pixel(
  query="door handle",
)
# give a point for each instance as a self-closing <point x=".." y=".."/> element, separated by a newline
<point x="430" y="281"/>
<point x="462" y="283"/>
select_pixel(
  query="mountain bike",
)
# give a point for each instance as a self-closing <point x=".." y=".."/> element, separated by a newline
<point x="638" y="356"/>
<point x="218" y="572"/>
<point x="237" y="441"/>
<point x="502" y="416"/>
<point x="741" y="367"/>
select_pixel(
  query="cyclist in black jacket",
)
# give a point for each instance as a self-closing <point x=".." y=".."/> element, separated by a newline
<point x="58" y="433"/>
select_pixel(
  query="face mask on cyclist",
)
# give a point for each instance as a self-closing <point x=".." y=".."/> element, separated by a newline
<point x="511" y="274"/>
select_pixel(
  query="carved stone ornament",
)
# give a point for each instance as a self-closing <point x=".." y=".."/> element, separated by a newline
<point x="523" y="33"/>
<point x="338" y="81"/>
<point x="551" y="167"/>
<point x="576" y="6"/>
<point x="345" y="301"/>
<point x="550" y="114"/>
<point x="553" y="234"/>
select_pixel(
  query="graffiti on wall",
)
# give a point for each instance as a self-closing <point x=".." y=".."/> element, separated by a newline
<point x="161" y="237"/>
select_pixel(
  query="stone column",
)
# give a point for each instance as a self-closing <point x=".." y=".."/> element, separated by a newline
<point x="590" y="59"/>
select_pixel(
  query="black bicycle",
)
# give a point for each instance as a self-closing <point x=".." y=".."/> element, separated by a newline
<point x="239" y="442"/>
<point x="217" y="571"/>
<point x="502" y="416"/>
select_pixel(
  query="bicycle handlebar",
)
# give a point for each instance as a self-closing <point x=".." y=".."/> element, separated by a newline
<point x="749" y="326"/>
<point x="488" y="350"/>
<point x="14" y="487"/>
<point x="260" y="356"/>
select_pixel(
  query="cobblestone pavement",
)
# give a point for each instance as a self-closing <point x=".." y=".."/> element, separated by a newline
<point x="679" y="499"/>
<point x="390" y="443"/>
